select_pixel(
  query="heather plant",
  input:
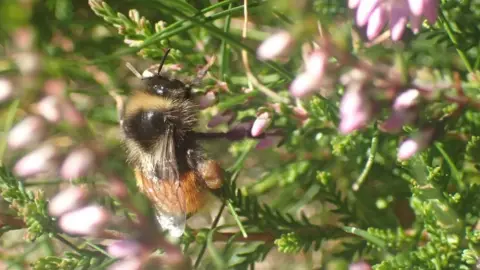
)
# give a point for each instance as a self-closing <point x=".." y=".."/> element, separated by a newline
<point x="348" y="132"/>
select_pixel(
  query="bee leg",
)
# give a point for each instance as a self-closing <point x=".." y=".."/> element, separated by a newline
<point x="235" y="135"/>
<point x="209" y="170"/>
<point x="211" y="173"/>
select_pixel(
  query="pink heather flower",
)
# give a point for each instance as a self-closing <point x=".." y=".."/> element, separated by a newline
<point x="261" y="123"/>
<point x="77" y="163"/>
<point x="304" y="84"/>
<point x="359" y="266"/>
<point x="85" y="221"/>
<point x="355" y="110"/>
<point x="49" y="108"/>
<point x="275" y="46"/>
<point x="71" y="114"/>
<point x="54" y="87"/>
<point x="377" y="21"/>
<point x="6" y="89"/>
<point x="267" y="142"/>
<point x="316" y="62"/>
<point x="355" y="76"/>
<point x="415" y="144"/>
<point x="67" y="200"/>
<point x="125" y="248"/>
<point x="300" y="113"/>
<point x="375" y="14"/>
<point x="397" y="120"/>
<point x="40" y="160"/>
<point x="207" y="100"/>
<point x="27" y="132"/>
<point x="311" y="79"/>
<point x="403" y="111"/>
<point x="407" y="99"/>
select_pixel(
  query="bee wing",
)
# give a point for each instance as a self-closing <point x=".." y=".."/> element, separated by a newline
<point x="165" y="187"/>
<point x="166" y="160"/>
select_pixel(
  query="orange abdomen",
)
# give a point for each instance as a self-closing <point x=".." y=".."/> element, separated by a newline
<point x="187" y="195"/>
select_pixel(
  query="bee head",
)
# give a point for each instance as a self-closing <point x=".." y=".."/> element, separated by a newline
<point x="163" y="85"/>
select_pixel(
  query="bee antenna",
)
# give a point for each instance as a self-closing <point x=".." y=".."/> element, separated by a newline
<point x="163" y="61"/>
<point x="133" y="70"/>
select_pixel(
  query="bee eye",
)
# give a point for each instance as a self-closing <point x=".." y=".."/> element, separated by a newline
<point x="159" y="90"/>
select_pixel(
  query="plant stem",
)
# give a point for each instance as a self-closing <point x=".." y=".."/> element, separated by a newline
<point x="369" y="164"/>
<point x="66" y="242"/>
<point x="204" y="246"/>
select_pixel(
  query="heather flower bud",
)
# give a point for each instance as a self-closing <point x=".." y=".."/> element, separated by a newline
<point x="207" y="100"/>
<point x="376" y="13"/>
<point x="261" y="123"/>
<point x="54" y="87"/>
<point x="125" y="248"/>
<point x="77" y="163"/>
<point x="275" y="46"/>
<point x="300" y="113"/>
<point x="221" y="118"/>
<point x="406" y="99"/>
<point x="365" y="8"/>
<point x="353" y="3"/>
<point x="67" y="200"/>
<point x="359" y="266"/>
<point x="39" y="161"/>
<point x="27" y="132"/>
<point x="430" y="10"/>
<point x="49" y="108"/>
<point x="397" y="120"/>
<point x="416" y="6"/>
<point x="399" y="18"/>
<point x="304" y="85"/>
<point x="354" y="76"/>
<point x="89" y="220"/>
<point x="415" y="144"/>
<point x="376" y="22"/>
<point x="267" y="142"/>
<point x="71" y="114"/>
<point x="355" y="111"/>
<point x="316" y="62"/>
<point x="6" y="89"/>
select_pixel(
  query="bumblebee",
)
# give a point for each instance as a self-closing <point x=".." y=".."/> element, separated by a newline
<point x="170" y="166"/>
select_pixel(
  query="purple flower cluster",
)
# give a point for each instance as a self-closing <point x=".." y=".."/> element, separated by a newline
<point x="359" y="105"/>
<point x="47" y="156"/>
<point x="374" y="14"/>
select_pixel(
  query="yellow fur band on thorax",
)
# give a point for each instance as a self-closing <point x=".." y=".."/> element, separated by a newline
<point x="143" y="101"/>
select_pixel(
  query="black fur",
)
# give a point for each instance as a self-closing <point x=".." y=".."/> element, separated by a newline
<point x="145" y="127"/>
